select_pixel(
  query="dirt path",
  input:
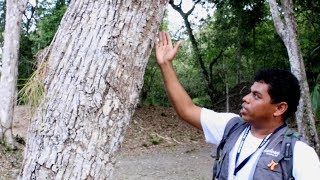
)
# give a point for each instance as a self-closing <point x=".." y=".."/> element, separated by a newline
<point x="157" y="146"/>
<point x="181" y="162"/>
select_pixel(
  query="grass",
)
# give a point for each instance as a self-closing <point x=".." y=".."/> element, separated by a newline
<point x="32" y="92"/>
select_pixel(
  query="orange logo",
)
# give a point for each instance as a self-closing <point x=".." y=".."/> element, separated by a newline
<point x="272" y="165"/>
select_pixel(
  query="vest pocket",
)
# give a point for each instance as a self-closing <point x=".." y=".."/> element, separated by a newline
<point x="267" y="169"/>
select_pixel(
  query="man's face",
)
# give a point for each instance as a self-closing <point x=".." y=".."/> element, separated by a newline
<point x="256" y="106"/>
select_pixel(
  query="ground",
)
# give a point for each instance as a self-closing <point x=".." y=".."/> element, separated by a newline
<point x="157" y="145"/>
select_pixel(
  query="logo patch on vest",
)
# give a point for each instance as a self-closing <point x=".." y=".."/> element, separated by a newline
<point x="271" y="152"/>
<point x="272" y="165"/>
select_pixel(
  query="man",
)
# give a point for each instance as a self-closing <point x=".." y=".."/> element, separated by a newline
<point x="255" y="146"/>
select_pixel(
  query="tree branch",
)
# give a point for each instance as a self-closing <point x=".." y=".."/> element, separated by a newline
<point x="194" y="5"/>
<point x="177" y="8"/>
<point x="278" y="23"/>
<point x="180" y="3"/>
<point x="196" y="50"/>
<point x="215" y="60"/>
<point x="287" y="7"/>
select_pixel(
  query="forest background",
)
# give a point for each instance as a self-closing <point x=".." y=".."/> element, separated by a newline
<point x="235" y="39"/>
<point x="220" y="53"/>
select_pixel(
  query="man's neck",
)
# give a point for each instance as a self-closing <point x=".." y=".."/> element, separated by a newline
<point x="263" y="131"/>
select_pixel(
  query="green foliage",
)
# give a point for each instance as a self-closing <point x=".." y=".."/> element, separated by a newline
<point x="315" y="98"/>
<point x="238" y="37"/>
<point x="47" y="27"/>
<point x="245" y="43"/>
<point x="47" y="16"/>
<point x="307" y="13"/>
<point x="26" y="63"/>
<point x="165" y="22"/>
<point x="153" y="92"/>
<point x="190" y="76"/>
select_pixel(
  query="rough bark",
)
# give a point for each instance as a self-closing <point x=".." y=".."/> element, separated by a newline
<point x="286" y="27"/>
<point x="94" y="74"/>
<point x="9" y="68"/>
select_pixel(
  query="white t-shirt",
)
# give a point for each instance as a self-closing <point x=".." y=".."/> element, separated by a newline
<point x="306" y="164"/>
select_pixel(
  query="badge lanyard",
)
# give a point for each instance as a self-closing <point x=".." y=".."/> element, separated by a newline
<point x="264" y="141"/>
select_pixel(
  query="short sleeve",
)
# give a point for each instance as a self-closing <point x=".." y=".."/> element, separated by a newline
<point x="213" y="124"/>
<point x="306" y="163"/>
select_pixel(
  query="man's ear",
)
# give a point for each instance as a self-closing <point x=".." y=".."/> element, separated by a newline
<point x="280" y="108"/>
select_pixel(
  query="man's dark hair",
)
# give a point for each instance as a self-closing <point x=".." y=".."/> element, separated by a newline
<point x="283" y="87"/>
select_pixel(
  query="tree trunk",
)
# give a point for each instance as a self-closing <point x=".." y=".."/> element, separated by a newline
<point x="287" y="30"/>
<point x="95" y="72"/>
<point x="8" y="81"/>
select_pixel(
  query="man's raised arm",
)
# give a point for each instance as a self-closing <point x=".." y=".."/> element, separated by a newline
<point x="181" y="101"/>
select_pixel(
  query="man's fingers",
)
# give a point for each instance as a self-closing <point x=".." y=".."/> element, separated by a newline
<point x="160" y="38"/>
<point x="168" y="38"/>
<point x="164" y="38"/>
<point x="176" y="47"/>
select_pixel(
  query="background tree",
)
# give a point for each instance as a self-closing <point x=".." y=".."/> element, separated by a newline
<point x="315" y="97"/>
<point x="40" y="23"/>
<point x="95" y="70"/>
<point x="206" y="74"/>
<point x="306" y="13"/>
<point x="287" y="30"/>
<point x="8" y="81"/>
<point x="309" y="27"/>
<point x="246" y="35"/>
